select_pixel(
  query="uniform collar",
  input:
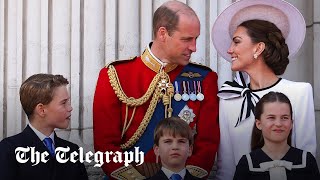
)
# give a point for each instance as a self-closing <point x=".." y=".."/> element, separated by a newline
<point x="155" y="64"/>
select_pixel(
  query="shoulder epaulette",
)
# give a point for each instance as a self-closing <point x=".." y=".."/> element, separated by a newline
<point x="115" y="62"/>
<point x="201" y="66"/>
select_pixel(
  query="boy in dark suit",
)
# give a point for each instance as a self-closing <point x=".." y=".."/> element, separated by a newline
<point x="46" y="102"/>
<point x="173" y="142"/>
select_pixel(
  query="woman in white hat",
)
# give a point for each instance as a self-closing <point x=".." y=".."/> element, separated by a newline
<point x="258" y="37"/>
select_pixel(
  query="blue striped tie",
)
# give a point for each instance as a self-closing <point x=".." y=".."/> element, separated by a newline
<point x="48" y="142"/>
<point x="176" y="177"/>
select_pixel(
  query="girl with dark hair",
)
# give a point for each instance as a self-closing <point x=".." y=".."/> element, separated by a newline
<point x="272" y="156"/>
<point x="257" y="38"/>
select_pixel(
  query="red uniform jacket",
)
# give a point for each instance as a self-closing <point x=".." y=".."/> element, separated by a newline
<point x="135" y="77"/>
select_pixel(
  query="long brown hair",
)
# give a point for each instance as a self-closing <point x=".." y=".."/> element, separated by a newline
<point x="257" y="140"/>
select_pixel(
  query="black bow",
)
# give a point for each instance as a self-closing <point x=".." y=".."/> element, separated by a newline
<point x="240" y="87"/>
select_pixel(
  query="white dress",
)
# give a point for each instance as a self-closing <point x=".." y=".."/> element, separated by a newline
<point x="235" y="141"/>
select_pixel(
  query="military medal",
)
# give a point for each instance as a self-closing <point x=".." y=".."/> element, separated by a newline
<point x="200" y="96"/>
<point x="177" y="96"/>
<point x="185" y="96"/>
<point x="193" y="95"/>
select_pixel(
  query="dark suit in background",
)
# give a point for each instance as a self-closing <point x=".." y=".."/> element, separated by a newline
<point x="161" y="176"/>
<point x="11" y="169"/>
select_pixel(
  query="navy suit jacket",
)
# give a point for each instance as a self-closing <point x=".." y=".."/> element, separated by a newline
<point x="11" y="169"/>
<point x="161" y="176"/>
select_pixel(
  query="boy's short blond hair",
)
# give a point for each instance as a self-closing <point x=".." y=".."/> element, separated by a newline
<point x="174" y="126"/>
<point x="39" y="88"/>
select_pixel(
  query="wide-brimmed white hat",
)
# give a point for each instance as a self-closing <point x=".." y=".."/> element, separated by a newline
<point x="283" y="14"/>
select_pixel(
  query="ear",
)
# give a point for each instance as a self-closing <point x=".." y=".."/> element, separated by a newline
<point x="260" y="47"/>
<point x="258" y="124"/>
<point x="156" y="150"/>
<point x="162" y="33"/>
<point x="40" y="110"/>
<point x="291" y="124"/>
<point x="190" y="150"/>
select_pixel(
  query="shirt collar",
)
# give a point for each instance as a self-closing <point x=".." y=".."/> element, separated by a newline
<point x="169" y="173"/>
<point x="154" y="63"/>
<point x="41" y="135"/>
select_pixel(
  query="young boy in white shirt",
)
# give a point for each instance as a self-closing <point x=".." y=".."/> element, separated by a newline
<point x="46" y="101"/>
<point x="173" y="143"/>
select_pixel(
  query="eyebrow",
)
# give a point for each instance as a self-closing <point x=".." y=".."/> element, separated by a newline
<point x="275" y="115"/>
<point x="64" y="100"/>
<point x="268" y="115"/>
<point x="189" y="37"/>
<point x="236" y="37"/>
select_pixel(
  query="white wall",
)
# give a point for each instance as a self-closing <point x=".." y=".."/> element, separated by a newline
<point x="76" y="38"/>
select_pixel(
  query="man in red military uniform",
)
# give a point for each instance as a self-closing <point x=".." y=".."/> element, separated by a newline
<point x="132" y="96"/>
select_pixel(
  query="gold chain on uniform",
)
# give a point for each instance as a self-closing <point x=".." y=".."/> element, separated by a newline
<point x="164" y="90"/>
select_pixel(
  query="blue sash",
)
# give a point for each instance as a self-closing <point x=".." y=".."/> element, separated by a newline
<point x="146" y="140"/>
